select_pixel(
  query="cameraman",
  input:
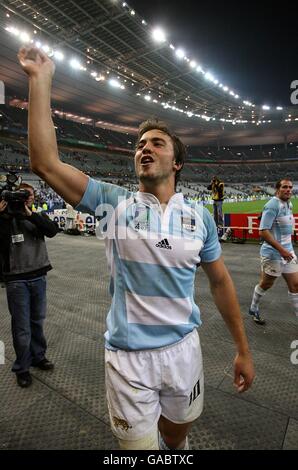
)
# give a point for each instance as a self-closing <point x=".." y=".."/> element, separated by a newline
<point x="24" y="264"/>
<point x="217" y="188"/>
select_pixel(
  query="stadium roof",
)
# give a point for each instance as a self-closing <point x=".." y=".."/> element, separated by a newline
<point x="111" y="41"/>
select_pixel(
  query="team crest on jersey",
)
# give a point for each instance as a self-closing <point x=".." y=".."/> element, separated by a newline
<point x="188" y="224"/>
<point x="141" y="219"/>
<point x="141" y="226"/>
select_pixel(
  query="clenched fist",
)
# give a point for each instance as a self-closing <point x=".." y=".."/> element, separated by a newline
<point x="36" y="63"/>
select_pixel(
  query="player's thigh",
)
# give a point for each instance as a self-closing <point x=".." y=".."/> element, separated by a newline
<point x="270" y="271"/>
<point x="182" y="395"/>
<point x="133" y="400"/>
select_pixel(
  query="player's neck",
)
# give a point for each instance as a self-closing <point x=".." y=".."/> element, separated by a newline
<point x="163" y="191"/>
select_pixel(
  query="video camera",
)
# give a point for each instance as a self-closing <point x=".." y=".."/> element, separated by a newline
<point x="15" y="198"/>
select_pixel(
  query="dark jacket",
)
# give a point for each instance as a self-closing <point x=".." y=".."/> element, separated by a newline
<point x="23" y="252"/>
<point x="217" y="188"/>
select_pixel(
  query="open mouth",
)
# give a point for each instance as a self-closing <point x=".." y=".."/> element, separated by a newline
<point x="146" y="159"/>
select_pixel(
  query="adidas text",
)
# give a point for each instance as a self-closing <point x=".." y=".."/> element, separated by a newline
<point x="164" y="244"/>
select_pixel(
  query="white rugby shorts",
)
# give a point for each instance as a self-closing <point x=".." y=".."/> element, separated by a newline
<point x="143" y="385"/>
<point x="276" y="268"/>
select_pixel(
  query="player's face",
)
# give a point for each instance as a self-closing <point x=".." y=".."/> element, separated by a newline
<point x="154" y="158"/>
<point x="285" y="191"/>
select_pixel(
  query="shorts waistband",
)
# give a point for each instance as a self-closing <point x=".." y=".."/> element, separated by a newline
<point x="161" y="349"/>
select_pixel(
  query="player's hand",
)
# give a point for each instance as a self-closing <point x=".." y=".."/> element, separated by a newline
<point x="243" y="372"/>
<point x="3" y="205"/>
<point x="286" y="254"/>
<point x="35" y="62"/>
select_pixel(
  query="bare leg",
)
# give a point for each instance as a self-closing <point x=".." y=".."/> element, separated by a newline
<point x="266" y="281"/>
<point x="173" y="434"/>
<point x="292" y="282"/>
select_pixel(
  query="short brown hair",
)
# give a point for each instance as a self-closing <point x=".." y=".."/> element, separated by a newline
<point x="26" y="186"/>
<point x="179" y="147"/>
<point x="278" y="184"/>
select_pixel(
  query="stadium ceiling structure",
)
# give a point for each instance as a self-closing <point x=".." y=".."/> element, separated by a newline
<point x="115" y="72"/>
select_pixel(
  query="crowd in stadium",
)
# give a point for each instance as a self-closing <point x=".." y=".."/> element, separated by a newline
<point x="119" y="169"/>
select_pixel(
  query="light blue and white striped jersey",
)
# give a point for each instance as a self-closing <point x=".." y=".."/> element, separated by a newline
<point x="152" y="256"/>
<point x="277" y="217"/>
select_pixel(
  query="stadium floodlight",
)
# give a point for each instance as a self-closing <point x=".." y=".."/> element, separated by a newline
<point x="279" y="108"/>
<point x="38" y="44"/>
<point x="265" y="107"/>
<point x="193" y="64"/>
<point x="24" y="37"/>
<point x="209" y="76"/>
<point x="225" y="88"/>
<point x="13" y="30"/>
<point x="75" y="64"/>
<point x="45" y="48"/>
<point x="147" y="98"/>
<point x="115" y="84"/>
<point x="58" y="55"/>
<point x="159" y="35"/>
<point x="132" y="12"/>
<point x="180" y="53"/>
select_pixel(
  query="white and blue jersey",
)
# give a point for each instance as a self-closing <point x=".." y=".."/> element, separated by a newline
<point x="277" y="217"/>
<point x="152" y="256"/>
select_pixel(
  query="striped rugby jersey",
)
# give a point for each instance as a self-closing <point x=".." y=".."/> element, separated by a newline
<point x="152" y="257"/>
<point x="277" y="217"/>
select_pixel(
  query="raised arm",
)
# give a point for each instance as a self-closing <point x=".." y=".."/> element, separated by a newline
<point x="66" y="180"/>
<point x="225" y="298"/>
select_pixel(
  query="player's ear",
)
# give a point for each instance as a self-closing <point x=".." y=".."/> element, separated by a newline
<point x="176" y="165"/>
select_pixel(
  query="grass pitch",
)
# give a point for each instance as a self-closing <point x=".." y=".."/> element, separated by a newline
<point x="249" y="207"/>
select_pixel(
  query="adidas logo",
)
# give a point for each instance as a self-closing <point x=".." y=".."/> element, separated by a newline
<point x="164" y="244"/>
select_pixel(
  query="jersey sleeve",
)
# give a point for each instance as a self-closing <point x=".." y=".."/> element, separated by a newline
<point x="211" y="250"/>
<point x="269" y="214"/>
<point x="99" y="192"/>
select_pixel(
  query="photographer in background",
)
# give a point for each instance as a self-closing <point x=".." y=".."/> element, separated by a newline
<point x="24" y="264"/>
<point x="217" y="188"/>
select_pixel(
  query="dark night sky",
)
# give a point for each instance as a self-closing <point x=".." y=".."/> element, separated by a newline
<point x="250" y="46"/>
